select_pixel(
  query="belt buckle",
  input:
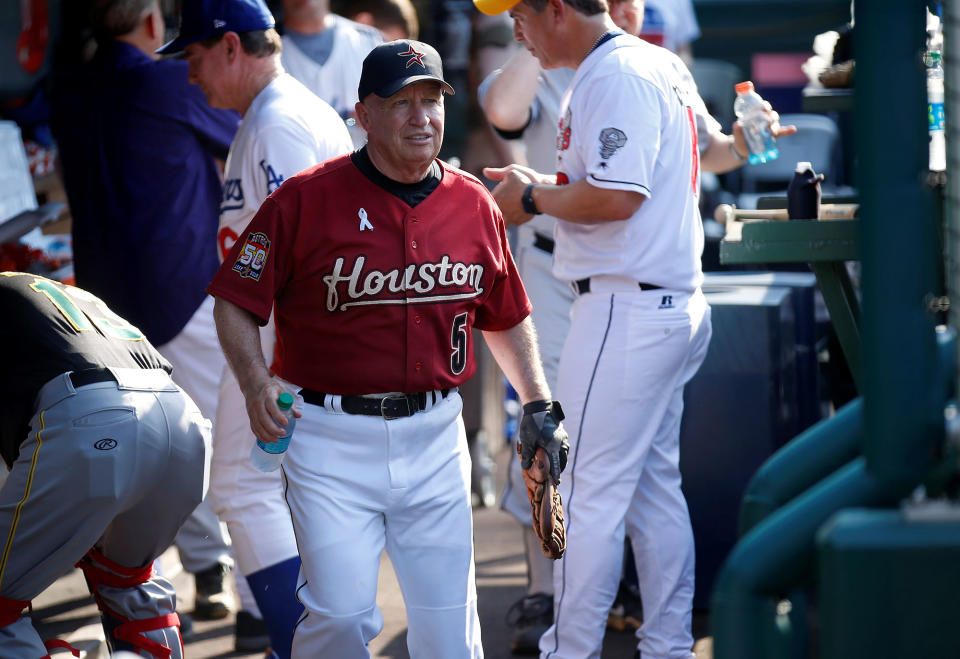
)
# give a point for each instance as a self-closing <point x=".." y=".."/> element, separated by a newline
<point x="383" y="411"/>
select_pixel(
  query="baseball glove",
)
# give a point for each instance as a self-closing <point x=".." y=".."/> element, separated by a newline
<point x="545" y="505"/>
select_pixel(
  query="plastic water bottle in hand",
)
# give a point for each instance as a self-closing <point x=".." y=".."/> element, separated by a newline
<point x="756" y="126"/>
<point x="268" y="456"/>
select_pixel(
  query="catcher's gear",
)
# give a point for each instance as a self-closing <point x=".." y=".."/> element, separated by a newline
<point x="545" y="505"/>
<point x="540" y="426"/>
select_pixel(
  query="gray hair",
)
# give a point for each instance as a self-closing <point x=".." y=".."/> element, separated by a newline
<point x="256" y="43"/>
<point x="115" y="18"/>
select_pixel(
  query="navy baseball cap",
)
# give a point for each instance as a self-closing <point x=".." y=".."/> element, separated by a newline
<point x="391" y="66"/>
<point x="201" y="19"/>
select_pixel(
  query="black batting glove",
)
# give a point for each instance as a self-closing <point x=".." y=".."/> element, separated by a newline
<point x="540" y="426"/>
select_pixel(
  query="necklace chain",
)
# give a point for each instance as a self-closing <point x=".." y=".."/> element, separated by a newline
<point x="599" y="39"/>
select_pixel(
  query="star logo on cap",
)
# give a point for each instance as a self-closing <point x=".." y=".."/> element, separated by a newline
<point x="414" y="57"/>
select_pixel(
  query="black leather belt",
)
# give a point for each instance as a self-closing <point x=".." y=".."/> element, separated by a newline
<point x="393" y="406"/>
<point x="583" y="286"/>
<point x="543" y="243"/>
<point x="91" y="376"/>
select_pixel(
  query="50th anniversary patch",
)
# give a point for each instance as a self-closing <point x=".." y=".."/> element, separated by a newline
<point x="253" y="256"/>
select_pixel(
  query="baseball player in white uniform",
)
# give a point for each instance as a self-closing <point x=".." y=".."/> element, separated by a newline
<point x="522" y="101"/>
<point x="630" y="237"/>
<point x="324" y="51"/>
<point x="285" y="129"/>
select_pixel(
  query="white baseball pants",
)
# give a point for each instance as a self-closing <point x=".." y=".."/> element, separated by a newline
<point x="628" y="355"/>
<point x="357" y="485"/>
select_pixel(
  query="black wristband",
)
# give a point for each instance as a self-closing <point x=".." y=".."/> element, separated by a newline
<point x="535" y="406"/>
<point x="526" y="200"/>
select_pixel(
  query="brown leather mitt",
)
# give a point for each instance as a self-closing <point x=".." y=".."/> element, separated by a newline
<point x="545" y="506"/>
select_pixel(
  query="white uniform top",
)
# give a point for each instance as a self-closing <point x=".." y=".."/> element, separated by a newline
<point x="285" y="130"/>
<point x="336" y="80"/>
<point x="669" y="23"/>
<point x="628" y="122"/>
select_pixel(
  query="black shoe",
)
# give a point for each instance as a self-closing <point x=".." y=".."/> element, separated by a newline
<point x="250" y="633"/>
<point x="186" y="627"/>
<point x="626" y="614"/>
<point x="213" y="600"/>
<point x="530" y="617"/>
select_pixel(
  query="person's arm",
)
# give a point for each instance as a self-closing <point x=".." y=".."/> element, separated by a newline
<point x="516" y="352"/>
<point x="512" y="91"/>
<point x="239" y="336"/>
<point x="578" y="202"/>
<point x="718" y="158"/>
<point x="719" y="155"/>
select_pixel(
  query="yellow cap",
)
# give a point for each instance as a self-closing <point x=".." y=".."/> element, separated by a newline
<point x="494" y="7"/>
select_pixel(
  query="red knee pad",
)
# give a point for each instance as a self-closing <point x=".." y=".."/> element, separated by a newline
<point x="132" y="632"/>
<point x="10" y="612"/>
<point x="101" y="571"/>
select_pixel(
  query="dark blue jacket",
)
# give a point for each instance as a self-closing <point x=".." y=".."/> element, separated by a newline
<point x="138" y="145"/>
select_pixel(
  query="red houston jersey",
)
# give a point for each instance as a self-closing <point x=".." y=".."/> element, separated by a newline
<point x="371" y="295"/>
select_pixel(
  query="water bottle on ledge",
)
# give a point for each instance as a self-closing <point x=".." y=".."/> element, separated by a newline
<point x="935" y="117"/>
<point x="756" y="128"/>
<point x="268" y="456"/>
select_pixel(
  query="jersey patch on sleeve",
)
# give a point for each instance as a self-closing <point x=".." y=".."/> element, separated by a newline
<point x="563" y="131"/>
<point x="253" y="256"/>
<point x="611" y="139"/>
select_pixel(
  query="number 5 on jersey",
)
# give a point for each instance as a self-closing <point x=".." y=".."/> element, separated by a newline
<point x="458" y="343"/>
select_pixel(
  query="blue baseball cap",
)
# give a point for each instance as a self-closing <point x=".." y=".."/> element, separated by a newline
<point x="202" y="19"/>
<point x="393" y="65"/>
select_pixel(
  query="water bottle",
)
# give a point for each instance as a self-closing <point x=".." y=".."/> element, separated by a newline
<point x="935" y="116"/>
<point x="268" y="456"/>
<point x="803" y="193"/>
<point x="756" y="127"/>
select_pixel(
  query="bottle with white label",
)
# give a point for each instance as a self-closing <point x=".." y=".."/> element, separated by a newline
<point x="935" y="116"/>
<point x="267" y="456"/>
